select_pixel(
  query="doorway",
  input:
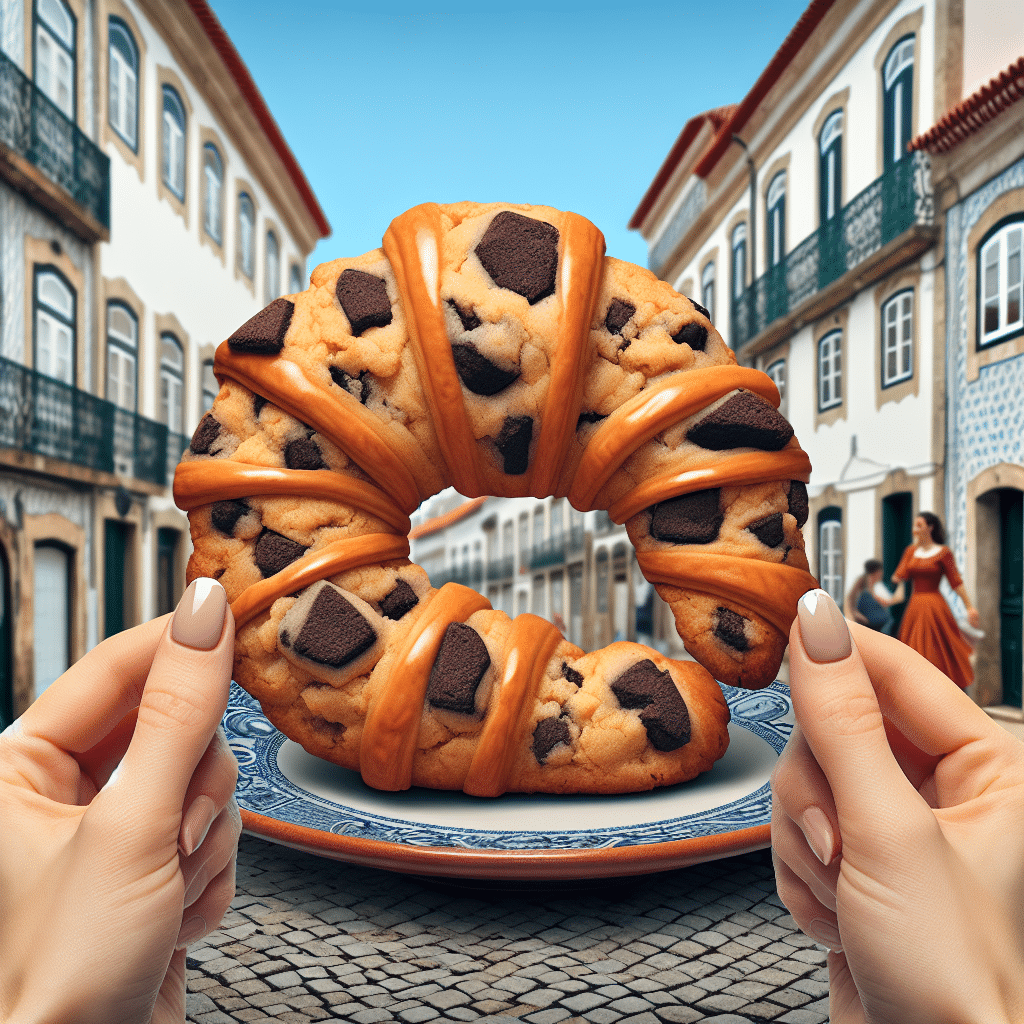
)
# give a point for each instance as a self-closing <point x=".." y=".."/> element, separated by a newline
<point x="6" y="661"/>
<point x="897" y="526"/>
<point x="1011" y="568"/>
<point x="116" y="537"/>
<point x="51" y="603"/>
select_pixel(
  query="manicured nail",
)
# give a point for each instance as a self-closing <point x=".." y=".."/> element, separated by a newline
<point x="113" y="776"/>
<point x="191" y="930"/>
<point x="199" y="619"/>
<point x="823" y="932"/>
<point x="12" y="730"/>
<point x="196" y="824"/>
<point x="823" y="629"/>
<point x="817" y="831"/>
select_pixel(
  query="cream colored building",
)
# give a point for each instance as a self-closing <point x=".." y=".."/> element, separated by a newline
<point x="149" y="206"/>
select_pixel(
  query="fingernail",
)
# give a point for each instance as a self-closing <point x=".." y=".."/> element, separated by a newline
<point x="12" y="730"/>
<point x="823" y="932"/>
<point x="199" y="618"/>
<point x="113" y="776"/>
<point x="817" y="831"/>
<point x="196" y="824"/>
<point x="191" y="930"/>
<point x="823" y="629"/>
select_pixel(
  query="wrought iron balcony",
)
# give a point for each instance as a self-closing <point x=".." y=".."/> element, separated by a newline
<point x="501" y="568"/>
<point x="41" y="148"/>
<point x="897" y="203"/>
<point x="48" y="417"/>
<point x="556" y="550"/>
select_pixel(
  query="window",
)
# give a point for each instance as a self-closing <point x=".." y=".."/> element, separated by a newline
<point x="172" y="363"/>
<point x="830" y="180"/>
<point x="295" y="279"/>
<point x="174" y="143"/>
<point x="55" y="326"/>
<point x="213" y="180"/>
<point x="54" y="58"/>
<point x="830" y="553"/>
<point x="897" y="115"/>
<point x="775" y="243"/>
<point x="271" y="271"/>
<point x="122" y="352"/>
<point x="898" y="338"/>
<point x="246" y="234"/>
<point x="777" y="372"/>
<point x="524" y="542"/>
<point x="51" y="612"/>
<point x="507" y="540"/>
<point x="830" y="370"/>
<point x="1001" y="287"/>
<point x="739" y="260"/>
<point x="707" y="289"/>
<point x="601" y="586"/>
<point x="210" y="385"/>
<point x="123" y="85"/>
<point x="538" y="526"/>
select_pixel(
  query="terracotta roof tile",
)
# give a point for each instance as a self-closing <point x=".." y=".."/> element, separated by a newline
<point x="447" y="519"/>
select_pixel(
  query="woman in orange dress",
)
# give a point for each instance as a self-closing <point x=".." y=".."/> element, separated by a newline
<point x="928" y="625"/>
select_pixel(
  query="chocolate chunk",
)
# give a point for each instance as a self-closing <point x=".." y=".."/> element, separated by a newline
<point x="513" y="441"/>
<point x="769" y="530"/>
<point x="206" y="433"/>
<point x="258" y="401"/>
<point x="264" y="333"/>
<point x="548" y="734"/>
<point x="695" y="335"/>
<point x="729" y="629"/>
<point x="520" y="254"/>
<point x="273" y="552"/>
<point x="303" y="453"/>
<point x="689" y="519"/>
<point x="364" y="298"/>
<point x="460" y="665"/>
<point x="571" y="674"/>
<point x="664" y="714"/>
<point x="478" y="373"/>
<point x="590" y="417"/>
<point x="220" y="572"/>
<point x="618" y="315"/>
<point x="358" y="387"/>
<point x="798" y="503"/>
<point x="744" y="421"/>
<point x="334" y="633"/>
<point x="225" y="515"/>
<point x="470" y="321"/>
<point x="399" y="601"/>
<point x="285" y="638"/>
<point x="700" y="309"/>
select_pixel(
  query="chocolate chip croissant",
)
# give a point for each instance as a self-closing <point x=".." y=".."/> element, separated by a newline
<point x="493" y="348"/>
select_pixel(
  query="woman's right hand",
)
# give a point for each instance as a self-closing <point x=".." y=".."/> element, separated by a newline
<point x="896" y="831"/>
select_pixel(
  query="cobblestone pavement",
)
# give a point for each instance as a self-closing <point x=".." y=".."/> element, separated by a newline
<point x="309" y="939"/>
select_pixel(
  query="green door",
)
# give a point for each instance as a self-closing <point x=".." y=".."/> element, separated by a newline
<point x="1011" y="525"/>
<point x="115" y="564"/>
<point x="897" y="523"/>
<point x="6" y="664"/>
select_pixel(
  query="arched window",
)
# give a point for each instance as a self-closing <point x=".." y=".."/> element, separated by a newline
<point x="54" y="58"/>
<point x="123" y="84"/>
<point x="830" y="179"/>
<point x="601" y="583"/>
<point x="6" y="646"/>
<point x="739" y="260"/>
<point x="246" y="234"/>
<point x="777" y="372"/>
<point x="51" y="612"/>
<point x="213" y="182"/>
<point x="898" y="338"/>
<point x="775" y="223"/>
<point x="898" y="83"/>
<point x="174" y="142"/>
<point x="54" y="326"/>
<point x="210" y="385"/>
<point x="707" y="289"/>
<point x="1000" y="286"/>
<point x="830" y="552"/>
<point x="122" y="355"/>
<point x="172" y="366"/>
<point x="830" y="370"/>
<point x="271" y="270"/>
<point x="295" y="279"/>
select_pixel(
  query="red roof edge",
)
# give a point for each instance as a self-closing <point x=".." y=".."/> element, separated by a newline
<point x="690" y="131"/>
<point x="973" y="113"/>
<point x="240" y="73"/>
<point x="799" y="35"/>
<point x="447" y="518"/>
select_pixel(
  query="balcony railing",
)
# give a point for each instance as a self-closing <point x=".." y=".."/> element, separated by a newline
<point x="468" y="575"/>
<point x="35" y="129"/>
<point x="48" y="417"/>
<point x="556" y="550"/>
<point x="890" y="205"/>
<point x="501" y="568"/>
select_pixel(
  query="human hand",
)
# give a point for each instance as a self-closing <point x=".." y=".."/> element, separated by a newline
<point x="974" y="618"/>
<point x="913" y="798"/>
<point x="104" y="877"/>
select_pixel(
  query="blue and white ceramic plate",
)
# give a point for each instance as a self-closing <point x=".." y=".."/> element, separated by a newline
<point x="289" y="796"/>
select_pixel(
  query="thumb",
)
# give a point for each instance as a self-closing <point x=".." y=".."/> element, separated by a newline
<point x="838" y="712"/>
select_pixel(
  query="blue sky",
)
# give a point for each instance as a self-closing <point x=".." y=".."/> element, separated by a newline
<point x="558" y="103"/>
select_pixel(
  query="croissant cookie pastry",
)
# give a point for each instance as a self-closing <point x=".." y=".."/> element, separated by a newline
<point x="493" y="348"/>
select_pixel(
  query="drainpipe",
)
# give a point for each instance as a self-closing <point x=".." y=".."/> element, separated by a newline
<point x="753" y="209"/>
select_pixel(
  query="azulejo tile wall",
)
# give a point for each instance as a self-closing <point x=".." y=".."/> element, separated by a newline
<point x="984" y="417"/>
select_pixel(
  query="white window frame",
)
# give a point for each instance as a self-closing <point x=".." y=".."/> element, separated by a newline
<point x="246" y="234"/>
<point x="210" y="384"/>
<point x="55" y="339"/>
<point x="831" y="139"/>
<point x="830" y="557"/>
<point x="739" y="259"/>
<point x="707" y="289"/>
<point x="898" y="337"/>
<point x="830" y="370"/>
<point x="122" y="356"/>
<point x="777" y="371"/>
<point x="55" y="64"/>
<point x="174" y="127"/>
<point x="271" y="268"/>
<point x="172" y="374"/>
<point x="775" y="206"/>
<point x="213" y="177"/>
<point x="1001" y="283"/>
<point x="123" y="83"/>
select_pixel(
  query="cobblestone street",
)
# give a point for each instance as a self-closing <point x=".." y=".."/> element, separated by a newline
<point x="309" y="939"/>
